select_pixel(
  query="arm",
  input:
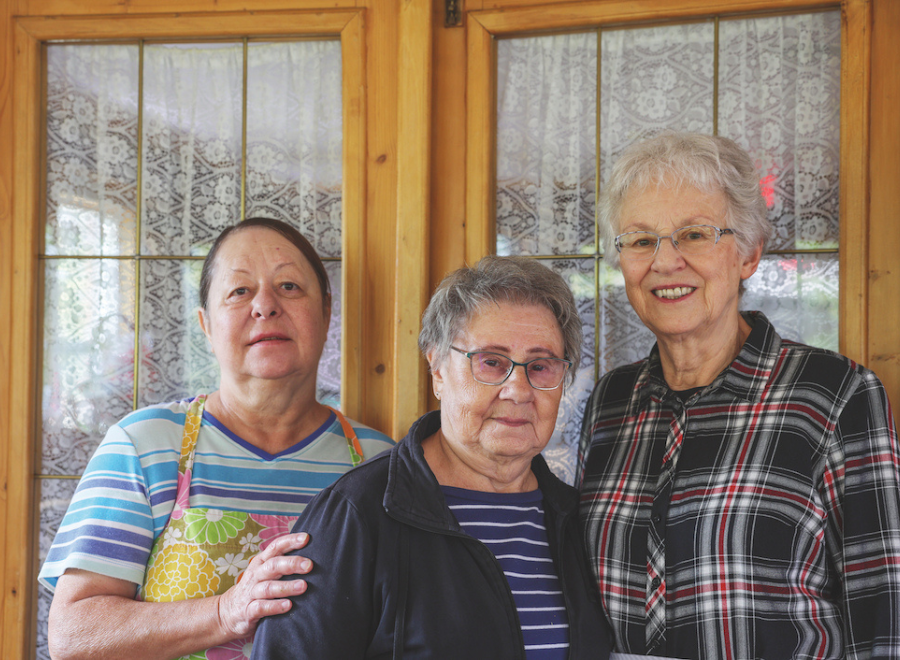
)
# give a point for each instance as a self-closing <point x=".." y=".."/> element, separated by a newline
<point x="95" y="616"/>
<point x="864" y="513"/>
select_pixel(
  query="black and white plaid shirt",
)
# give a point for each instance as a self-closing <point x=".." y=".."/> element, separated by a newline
<point x="758" y="519"/>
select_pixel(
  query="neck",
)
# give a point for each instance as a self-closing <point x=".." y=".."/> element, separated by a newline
<point x="271" y="418"/>
<point x="695" y="361"/>
<point x="488" y="474"/>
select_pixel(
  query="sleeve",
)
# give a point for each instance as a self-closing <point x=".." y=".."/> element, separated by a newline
<point x="334" y="618"/>
<point x="584" y="440"/>
<point x="109" y="526"/>
<point x="862" y="493"/>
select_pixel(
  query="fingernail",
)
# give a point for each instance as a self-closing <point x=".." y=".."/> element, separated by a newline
<point x="306" y="565"/>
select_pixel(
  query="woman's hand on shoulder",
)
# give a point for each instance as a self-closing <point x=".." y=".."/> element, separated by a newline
<point x="260" y="590"/>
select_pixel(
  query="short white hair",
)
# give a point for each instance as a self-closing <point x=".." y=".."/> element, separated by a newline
<point x="707" y="162"/>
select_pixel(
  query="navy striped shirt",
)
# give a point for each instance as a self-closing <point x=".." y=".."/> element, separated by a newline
<point x="511" y="525"/>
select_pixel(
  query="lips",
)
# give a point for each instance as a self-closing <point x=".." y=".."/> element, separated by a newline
<point x="511" y="421"/>
<point x="267" y="338"/>
<point x="674" y="293"/>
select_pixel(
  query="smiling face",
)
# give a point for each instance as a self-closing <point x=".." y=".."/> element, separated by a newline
<point x="482" y="424"/>
<point x="265" y="317"/>
<point x="694" y="298"/>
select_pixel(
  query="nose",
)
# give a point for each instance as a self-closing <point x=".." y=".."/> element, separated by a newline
<point x="516" y="388"/>
<point x="266" y="304"/>
<point x="667" y="257"/>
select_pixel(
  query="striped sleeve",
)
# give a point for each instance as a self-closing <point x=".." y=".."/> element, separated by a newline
<point x="114" y="516"/>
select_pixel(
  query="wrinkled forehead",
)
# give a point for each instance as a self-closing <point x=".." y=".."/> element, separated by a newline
<point x="243" y="247"/>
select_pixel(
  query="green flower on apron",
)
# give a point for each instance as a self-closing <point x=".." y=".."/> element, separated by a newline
<point x="213" y="525"/>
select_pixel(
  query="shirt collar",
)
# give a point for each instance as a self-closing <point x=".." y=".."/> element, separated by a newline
<point x="746" y="377"/>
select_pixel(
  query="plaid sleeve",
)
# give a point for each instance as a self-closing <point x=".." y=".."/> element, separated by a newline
<point x="861" y="488"/>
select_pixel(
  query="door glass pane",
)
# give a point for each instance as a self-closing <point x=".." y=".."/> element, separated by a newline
<point x="191" y="186"/>
<point x="91" y="150"/>
<point x="653" y="79"/>
<point x="779" y="97"/>
<point x="546" y="144"/>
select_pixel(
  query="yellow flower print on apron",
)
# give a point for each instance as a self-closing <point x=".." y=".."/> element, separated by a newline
<point x="202" y="551"/>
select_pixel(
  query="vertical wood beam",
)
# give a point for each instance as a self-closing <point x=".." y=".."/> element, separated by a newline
<point x="413" y="210"/>
<point x="481" y="111"/>
<point x="856" y="23"/>
<point x="18" y="582"/>
<point x="353" y="232"/>
<point x="884" y="223"/>
<point x="448" y="160"/>
<point x="6" y="277"/>
<point x="377" y="375"/>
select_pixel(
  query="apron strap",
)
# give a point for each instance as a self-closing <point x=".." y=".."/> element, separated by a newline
<point x="356" y="452"/>
<point x="192" y="420"/>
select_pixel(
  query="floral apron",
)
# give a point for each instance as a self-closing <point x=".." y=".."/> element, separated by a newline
<point x="203" y="552"/>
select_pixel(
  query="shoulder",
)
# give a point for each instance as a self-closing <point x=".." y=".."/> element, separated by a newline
<point x="617" y="387"/>
<point x="373" y="441"/>
<point x="362" y="487"/>
<point x="147" y="435"/>
<point x="818" y="369"/>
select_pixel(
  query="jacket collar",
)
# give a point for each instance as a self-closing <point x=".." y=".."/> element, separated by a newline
<point x="414" y="496"/>
<point x="747" y="377"/>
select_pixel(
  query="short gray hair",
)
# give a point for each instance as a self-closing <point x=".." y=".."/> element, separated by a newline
<point x="708" y="162"/>
<point x="467" y="292"/>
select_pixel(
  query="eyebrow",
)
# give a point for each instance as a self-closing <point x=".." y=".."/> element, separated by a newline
<point x="278" y="267"/>
<point x="688" y="222"/>
<point x="505" y="350"/>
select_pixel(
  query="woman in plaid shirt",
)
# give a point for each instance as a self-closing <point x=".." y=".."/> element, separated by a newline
<point x="740" y="492"/>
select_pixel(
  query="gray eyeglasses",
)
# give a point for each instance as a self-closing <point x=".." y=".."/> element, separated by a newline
<point x="692" y="240"/>
<point x="494" y="368"/>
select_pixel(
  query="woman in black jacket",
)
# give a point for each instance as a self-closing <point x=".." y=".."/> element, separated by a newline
<point x="460" y="543"/>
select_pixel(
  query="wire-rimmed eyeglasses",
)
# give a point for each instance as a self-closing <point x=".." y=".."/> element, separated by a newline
<point x="494" y="368"/>
<point x="691" y="240"/>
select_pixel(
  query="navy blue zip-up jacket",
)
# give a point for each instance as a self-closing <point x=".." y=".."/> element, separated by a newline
<point x="395" y="577"/>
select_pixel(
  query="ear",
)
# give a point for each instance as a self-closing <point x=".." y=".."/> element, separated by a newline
<point x="751" y="263"/>
<point x="437" y="377"/>
<point x="204" y="324"/>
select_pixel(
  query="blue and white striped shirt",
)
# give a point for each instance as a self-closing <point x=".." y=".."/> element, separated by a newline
<point x="127" y="492"/>
<point x="511" y="525"/>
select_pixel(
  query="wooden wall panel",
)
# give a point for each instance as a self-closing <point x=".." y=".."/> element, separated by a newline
<point x="883" y="314"/>
<point x="413" y="204"/>
<point x="6" y="277"/>
<point x="381" y="213"/>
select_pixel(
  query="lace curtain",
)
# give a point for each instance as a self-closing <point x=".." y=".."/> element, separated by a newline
<point x="777" y="94"/>
<point x="117" y="285"/>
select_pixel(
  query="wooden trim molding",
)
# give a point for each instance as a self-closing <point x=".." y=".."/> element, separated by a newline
<point x="481" y="139"/>
<point x="18" y="576"/>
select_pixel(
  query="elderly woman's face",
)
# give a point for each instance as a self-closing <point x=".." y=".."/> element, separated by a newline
<point x="265" y="317"/>
<point x="677" y="296"/>
<point x="491" y="422"/>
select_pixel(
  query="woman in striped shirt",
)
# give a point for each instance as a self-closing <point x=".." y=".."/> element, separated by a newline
<point x="174" y="542"/>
